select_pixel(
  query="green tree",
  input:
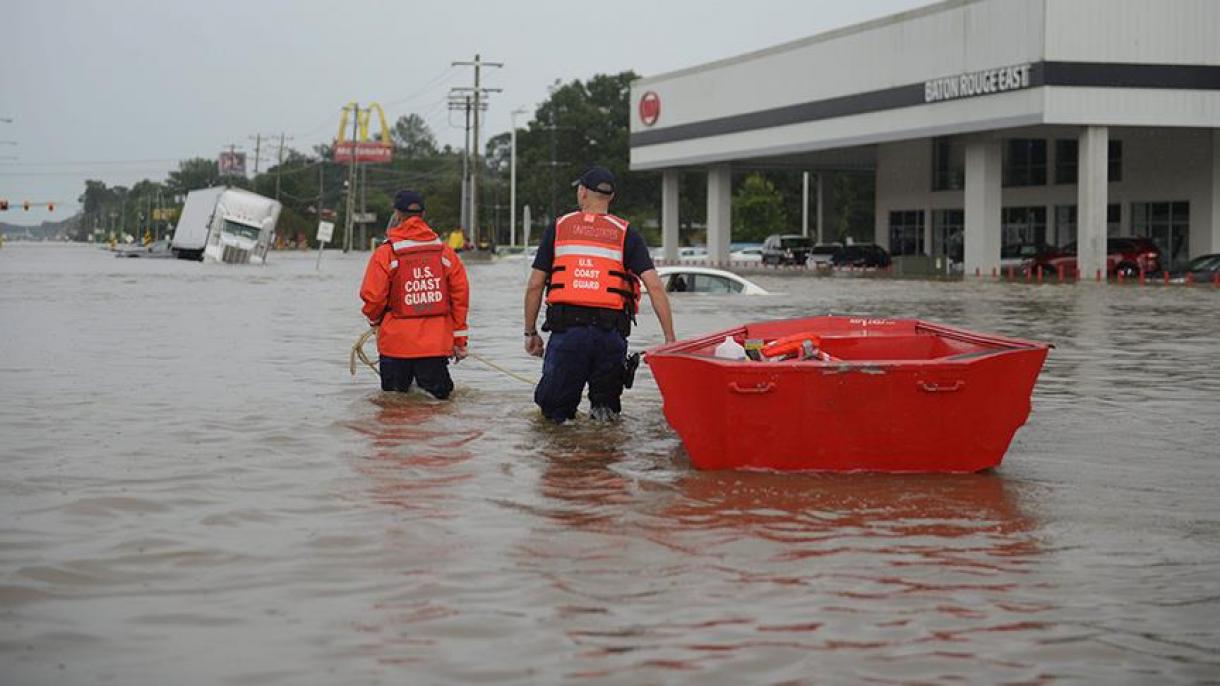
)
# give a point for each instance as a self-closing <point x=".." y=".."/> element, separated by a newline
<point x="581" y="123"/>
<point x="758" y="209"/>
<point x="191" y="175"/>
<point x="413" y="138"/>
<point x="853" y="199"/>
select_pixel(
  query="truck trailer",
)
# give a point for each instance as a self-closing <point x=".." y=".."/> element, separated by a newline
<point x="227" y="225"/>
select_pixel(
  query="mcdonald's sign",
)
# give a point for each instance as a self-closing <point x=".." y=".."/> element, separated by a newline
<point x="361" y="149"/>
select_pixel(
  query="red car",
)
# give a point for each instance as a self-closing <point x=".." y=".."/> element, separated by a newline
<point x="1126" y="256"/>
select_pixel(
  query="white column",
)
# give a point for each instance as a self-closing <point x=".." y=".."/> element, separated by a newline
<point x="719" y="212"/>
<point x="820" y="215"/>
<point x="927" y="231"/>
<point x="1091" y="197"/>
<point x="1211" y="225"/>
<point x="669" y="215"/>
<point x="805" y="204"/>
<point x="982" y="196"/>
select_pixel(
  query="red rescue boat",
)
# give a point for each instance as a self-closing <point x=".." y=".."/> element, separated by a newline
<point x="849" y="394"/>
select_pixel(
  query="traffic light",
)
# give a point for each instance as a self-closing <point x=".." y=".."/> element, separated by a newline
<point x="26" y="205"/>
<point x="3" y="206"/>
<point x="50" y="207"/>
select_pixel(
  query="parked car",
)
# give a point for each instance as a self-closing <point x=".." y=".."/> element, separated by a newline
<point x="1127" y="256"/>
<point x="1202" y="269"/>
<point x="696" y="253"/>
<point x="1021" y="255"/>
<point x="866" y="255"/>
<point x="786" y="249"/>
<point x="683" y="279"/>
<point x="820" y="254"/>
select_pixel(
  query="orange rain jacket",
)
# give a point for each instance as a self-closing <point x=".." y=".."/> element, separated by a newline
<point x="417" y="336"/>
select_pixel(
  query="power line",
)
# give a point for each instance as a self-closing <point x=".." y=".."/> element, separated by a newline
<point x="448" y="72"/>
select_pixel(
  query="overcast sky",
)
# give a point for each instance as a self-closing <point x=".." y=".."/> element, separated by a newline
<point x="122" y="90"/>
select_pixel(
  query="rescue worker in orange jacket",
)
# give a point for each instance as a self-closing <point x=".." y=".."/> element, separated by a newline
<point x="590" y="262"/>
<point x="415" y="290"/>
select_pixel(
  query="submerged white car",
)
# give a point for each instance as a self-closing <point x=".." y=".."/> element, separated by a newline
<point x="750" y="254"/>
<point x="683" y="279"/>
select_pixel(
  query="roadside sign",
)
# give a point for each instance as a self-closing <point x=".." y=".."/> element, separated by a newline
<point x="325" y="231"/>
<point x="364" y="217"/>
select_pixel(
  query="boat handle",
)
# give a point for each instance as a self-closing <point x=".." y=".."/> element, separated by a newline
<point x="932" y="387"/>
<point x="752" y="390"/>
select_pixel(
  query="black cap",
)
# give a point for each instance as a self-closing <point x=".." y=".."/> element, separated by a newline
<point x="409" y="201"/>
<point x="597" y="179"/>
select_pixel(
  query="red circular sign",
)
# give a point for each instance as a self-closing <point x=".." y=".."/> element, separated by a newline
<point x="650" y="108"/>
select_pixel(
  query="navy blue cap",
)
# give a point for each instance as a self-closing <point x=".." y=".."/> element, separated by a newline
<point x="597" y="179"/>
<point x="409" y="201"/>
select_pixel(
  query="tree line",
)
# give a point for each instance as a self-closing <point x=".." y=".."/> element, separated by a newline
<point x="580" y="123"/>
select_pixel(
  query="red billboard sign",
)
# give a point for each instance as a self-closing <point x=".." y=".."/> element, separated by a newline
<point x="365" y="151"/>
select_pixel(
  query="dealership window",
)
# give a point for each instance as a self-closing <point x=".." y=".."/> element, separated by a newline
<point x="948" y="165"/>
<point x="1025" y="162"/>
<point x="1067" y="160"/>
<point x="906" y="232"/>
<point x="947" y="232"/>
<point x="1168" y="225"/>
<point x="1023" y="226"/>
<point x="1065" y="223"/>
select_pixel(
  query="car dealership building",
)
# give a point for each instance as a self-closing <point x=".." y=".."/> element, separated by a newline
<point x="987" y="123"/>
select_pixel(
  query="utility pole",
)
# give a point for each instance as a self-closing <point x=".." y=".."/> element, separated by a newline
<point x="258" y="146"/>
<point x="364" y="189"/>
<point x="512" y="181"/>
<point x="478" y="64"/>
<point x="351" y="181"/>
<point x="279" y="167"/>
<point x="321" y="184"/>
<point x="458" y="100"/>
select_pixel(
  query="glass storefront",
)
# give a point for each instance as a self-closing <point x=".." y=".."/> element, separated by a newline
<point x="1023" y="226"/>
<point x="1168" y="225"/>
<point x="1065" y="223"/>
<point x="906" y="232"/>
<point x="947" y="234"/>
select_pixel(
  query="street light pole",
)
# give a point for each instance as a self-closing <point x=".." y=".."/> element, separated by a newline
<point x="512" y="181"/>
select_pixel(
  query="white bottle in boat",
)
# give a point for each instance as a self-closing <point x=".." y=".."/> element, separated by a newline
<point x="730" y="349"/>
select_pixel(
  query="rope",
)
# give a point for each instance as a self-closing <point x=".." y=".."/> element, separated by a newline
<point x="358" y="352"/>
<point x="502" y="370"/>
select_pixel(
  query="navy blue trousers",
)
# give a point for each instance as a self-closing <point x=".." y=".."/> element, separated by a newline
<point x="431" y="373"/>
<point x="577" y="356"/>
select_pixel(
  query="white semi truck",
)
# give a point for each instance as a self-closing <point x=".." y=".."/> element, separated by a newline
<point x="226" y="225"/>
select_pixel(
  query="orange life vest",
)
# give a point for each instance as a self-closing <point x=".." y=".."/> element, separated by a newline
<point x="588" y="267"/>
<point x="803" y="346"/>
<point x="417" y="284"/>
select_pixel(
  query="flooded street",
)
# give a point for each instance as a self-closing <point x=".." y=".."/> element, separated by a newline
<point x="195" y="491"/>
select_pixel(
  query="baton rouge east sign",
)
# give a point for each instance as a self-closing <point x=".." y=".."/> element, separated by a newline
<point x="970" y="84"/>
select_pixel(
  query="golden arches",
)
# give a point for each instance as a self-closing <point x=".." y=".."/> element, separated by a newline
<point x="362" y="123"/>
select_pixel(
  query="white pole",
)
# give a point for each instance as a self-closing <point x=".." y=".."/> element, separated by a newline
<point x="821" y="215"/>
<point x="805" y="204"/>
<point x="525" y="242"/>
<point x="512" y="182"/>
<point x="321" y="247"/>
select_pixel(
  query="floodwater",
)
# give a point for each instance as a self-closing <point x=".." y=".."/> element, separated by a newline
<point x="195" y="491"/>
